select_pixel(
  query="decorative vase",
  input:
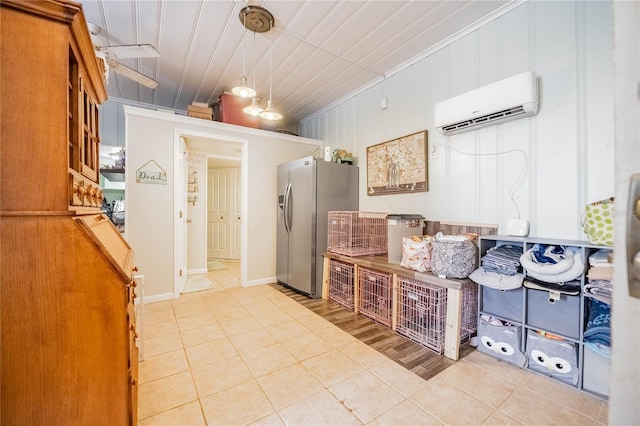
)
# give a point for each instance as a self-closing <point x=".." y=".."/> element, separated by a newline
<point x="393" y="176"/>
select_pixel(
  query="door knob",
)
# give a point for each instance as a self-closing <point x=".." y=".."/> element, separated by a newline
<point x="636" y="265"/>
<point x="188" y="220"/>
<point x="633" y="236"/>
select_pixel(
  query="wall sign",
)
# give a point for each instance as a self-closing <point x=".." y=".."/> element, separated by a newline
<point x="151" y="172"/>
<point x="398" y="166"/>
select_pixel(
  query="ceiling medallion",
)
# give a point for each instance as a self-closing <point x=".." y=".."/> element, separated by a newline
<point x="256" y="19"/>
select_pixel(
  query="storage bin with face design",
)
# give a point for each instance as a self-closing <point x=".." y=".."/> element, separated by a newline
<point x="502" y="342"/>
<point x="554" y="357"/>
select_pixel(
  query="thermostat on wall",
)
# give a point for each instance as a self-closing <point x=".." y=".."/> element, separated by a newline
<point x="518" y="227"/>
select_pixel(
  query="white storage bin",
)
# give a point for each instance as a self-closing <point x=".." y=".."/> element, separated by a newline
<point x="596" y="372"/>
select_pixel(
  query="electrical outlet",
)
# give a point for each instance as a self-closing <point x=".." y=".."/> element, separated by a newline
<point x="433" y="153"/>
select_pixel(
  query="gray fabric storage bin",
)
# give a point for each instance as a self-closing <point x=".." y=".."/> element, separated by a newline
<point x="561" y="317"/>
<point x="553" y="358"/>
<point x="505" y="304"/>
<point x="596" y="370"/>
<point x="502" y="342"/>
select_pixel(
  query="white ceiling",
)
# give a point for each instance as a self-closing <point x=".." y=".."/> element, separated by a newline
<point x="322" y="50"/>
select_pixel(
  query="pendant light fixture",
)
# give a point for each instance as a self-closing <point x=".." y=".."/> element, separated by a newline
<point x="270" y="113"/>
<point x="243" y="89"/>
<point x="260" y="20"/>
<point x="254" y="109"/>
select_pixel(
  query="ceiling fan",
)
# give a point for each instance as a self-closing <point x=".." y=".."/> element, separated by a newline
<point x="111" y="54"/>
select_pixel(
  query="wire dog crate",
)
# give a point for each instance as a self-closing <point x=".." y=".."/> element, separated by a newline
<point x="469" y="321"/>
<point x="341" y="283"/>
<point x="422" y="312"/>
<point x="375" y="295"/>
<point x="356" y="233"/>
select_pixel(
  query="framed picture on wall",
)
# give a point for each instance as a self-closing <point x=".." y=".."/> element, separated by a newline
<point x="398" y="166"/>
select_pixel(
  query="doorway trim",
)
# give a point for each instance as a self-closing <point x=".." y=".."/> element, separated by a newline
<point x="179" y="248"/>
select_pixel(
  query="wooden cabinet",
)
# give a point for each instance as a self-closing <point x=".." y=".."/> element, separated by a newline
<point x="68" y="326"/>
<point x="51" y="88"/>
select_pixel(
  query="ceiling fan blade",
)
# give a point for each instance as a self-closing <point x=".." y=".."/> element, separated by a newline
<point x="132" y="51"/>
<point x="133" y="75"/>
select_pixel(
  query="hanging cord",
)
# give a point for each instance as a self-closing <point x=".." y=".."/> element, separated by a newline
<point x="254" y="61"/>
<point x="516" y="183"/>
<point x="244" y="46"/>
<point x="270" y="61"/>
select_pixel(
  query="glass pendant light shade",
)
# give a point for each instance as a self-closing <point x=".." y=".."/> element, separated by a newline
<point x="254" y="109"/>
<point x="243" y="89"/>
<point x="270" y="113"/>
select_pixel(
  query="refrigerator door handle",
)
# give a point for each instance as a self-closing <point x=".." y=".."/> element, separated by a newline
<point x="287" y="208"/>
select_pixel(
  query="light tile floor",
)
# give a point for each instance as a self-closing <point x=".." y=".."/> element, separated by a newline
<point x="235" y="356"/>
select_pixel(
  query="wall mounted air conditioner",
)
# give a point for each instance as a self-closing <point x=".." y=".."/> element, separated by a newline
<point x="505" y="100"/>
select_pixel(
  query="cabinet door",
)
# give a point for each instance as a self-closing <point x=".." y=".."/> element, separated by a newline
<point x="112" y="245"/>
<point x="89" y="135"/>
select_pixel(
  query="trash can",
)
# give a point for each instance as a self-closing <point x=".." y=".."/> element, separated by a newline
<point x="401" y="225"/>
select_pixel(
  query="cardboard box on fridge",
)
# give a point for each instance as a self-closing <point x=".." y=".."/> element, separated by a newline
<point x="230" y="111"/>
<point x="205" y="116"/>
<point x="200" y="110"/>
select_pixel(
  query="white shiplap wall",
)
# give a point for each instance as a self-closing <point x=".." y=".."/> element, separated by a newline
<point x="566" y="150"/>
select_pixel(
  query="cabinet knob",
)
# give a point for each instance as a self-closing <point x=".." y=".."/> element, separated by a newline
<point x="135" y="269"/>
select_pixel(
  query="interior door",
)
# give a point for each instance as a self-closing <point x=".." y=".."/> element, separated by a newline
<point x="180" y="249"/>
<point x="625" y="312"/>
<point x="219" y="214"/>
<point x="235" y="202"/>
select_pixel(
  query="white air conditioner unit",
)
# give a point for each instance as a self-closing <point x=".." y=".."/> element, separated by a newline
<point x="505" y="100"/>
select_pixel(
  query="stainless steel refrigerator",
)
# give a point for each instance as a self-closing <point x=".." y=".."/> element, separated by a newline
<point x="308" y="189"/>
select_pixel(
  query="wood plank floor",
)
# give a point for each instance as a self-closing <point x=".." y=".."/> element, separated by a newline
<point x="422" y="361"/>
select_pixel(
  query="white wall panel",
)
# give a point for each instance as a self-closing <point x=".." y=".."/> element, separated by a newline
<point x="555" y="153"/>
<point x="462" y="171"/>
<point x="435" y="198"/>
<point x="598" y="119"/>
<point x="565" y="151"/>
<point x="514" y="33"/>
<point x="112" y="124"/>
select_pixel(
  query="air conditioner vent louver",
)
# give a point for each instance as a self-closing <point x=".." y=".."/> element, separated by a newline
<point x="505" y="100"/>
<point x="485" y="119"/>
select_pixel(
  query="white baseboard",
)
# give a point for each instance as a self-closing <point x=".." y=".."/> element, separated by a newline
<point x="158" y="298"/>
<point x="260" y="281"/>
<point x="197" y="271"/>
